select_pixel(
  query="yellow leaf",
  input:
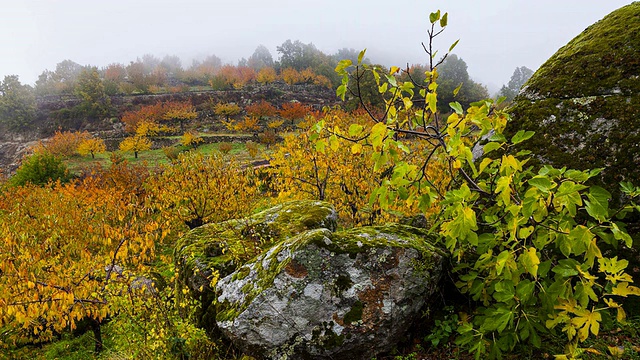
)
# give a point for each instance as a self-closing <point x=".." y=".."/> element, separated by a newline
<point x="356" y="148"/>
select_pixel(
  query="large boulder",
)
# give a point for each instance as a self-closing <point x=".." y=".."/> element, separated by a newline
<point x="330" y="295"/>
<point x="584" y="102"/>
<point x="216" y="250"/>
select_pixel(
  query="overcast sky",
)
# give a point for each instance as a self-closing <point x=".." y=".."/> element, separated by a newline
<point x="496" y="36"/>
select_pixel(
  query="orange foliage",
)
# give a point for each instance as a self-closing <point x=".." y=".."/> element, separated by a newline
<point x="148" y="113"/>
<point x="69" y="250"/>
<point x="261" y="109"/>
<point x="290" y="76"/>
<point x="63" y="143"/>
<point x="294" y="110"/>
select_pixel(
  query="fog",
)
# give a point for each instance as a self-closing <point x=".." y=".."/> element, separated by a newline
<point x="496" y="36"/>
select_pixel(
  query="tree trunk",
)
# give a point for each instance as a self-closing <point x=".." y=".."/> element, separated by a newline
<point x="97" y="334"/>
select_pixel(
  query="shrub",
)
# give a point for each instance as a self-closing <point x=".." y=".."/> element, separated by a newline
<point x="225" y="147"/>
<point x="40" y="169"/>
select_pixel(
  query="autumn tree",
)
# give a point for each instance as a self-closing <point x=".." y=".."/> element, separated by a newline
<point x="262" y="109"/>
<point x="17" y="103"/>
<point x="198" y="189"/>
<point x="290" y="76"/>
<point x="180" y="111"/>
<point x="191" y="139"/>
<point x="266" y="75"/>
<point x="147" y="113"/>
<point x="294" y="111"/>
<point x="91" y="146"/>
<point x="340" y="171"/>
<point x="114" y="76"/>
<point x="138" y="76"/>
<point x="67" y="251"/>
<point x="227" y="110"/>
<point x="135" y="144"/>
<point x="62" y="143"/>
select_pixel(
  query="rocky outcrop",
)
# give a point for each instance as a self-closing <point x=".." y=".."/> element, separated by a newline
<point x="288" y="285"/>
<point x="216" y="250"/>
<point x="584" y="102"/>
<point x="330" y="295"/>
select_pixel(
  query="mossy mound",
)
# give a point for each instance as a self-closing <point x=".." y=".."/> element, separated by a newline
<point x="584" y="103"/>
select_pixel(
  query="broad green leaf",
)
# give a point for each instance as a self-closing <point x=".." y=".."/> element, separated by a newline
<point x="489" y="147"/>
<point x="521" y="136"/>
<point x="581" y="237"/>
<point x="598" y="204"/>
<point x="456" y="107"/>
<point x="542" y="182"/>
<point x="435" y="16"/>
<point x="333" y="142"/>
<point x="392" y="80"/>
<point x="355" y="130"/>
<point x="443" y="20"/>
<point x="566" y="268"/>
<point x="525" y="289"/>
<point x="505" y="291"/>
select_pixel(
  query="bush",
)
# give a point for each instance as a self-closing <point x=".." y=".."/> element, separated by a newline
<point x="225" y="147"/>
<point x="40" y="169"/>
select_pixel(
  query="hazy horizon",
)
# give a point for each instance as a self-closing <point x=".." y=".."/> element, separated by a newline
<point x="495" y="38"/>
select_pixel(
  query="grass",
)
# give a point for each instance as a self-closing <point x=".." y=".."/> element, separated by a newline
<point x="157" y="157"/>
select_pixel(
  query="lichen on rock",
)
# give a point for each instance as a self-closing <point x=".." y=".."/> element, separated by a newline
<point x="218" y="249"/>
<point x="329" y="294"/>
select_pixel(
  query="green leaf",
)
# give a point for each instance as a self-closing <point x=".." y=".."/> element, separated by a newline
<point x="355" y="130"/>
<point x="542" y="182"/>
<point x="443" y="20"/>
<point x="457" y="90"/>
<point x="392" y="80"/>
<point x="456" y="107"/>
<point x="501" y="261"/>
<point x="531" y="261"/>
<point x="521" y="136"/>
<point x="432" y="101"/>
<point x="342" y="65"/>
<point x="598" y="204"/>
<point x="505" y="291"/>
<point x="566" y="268"/>
<point x="435" y="16"/>
<point x="341" y="91"/>
<point x="361" y="56"/>
<point x="524" y="290"/>
<point x="454" y="45"/>
<point x="489" y="147"/>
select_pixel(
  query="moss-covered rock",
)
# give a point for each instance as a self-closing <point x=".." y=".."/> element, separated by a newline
<point x="216" y="250"/>
<point x="584" y="102"/>
<point x="324" y="294"/>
